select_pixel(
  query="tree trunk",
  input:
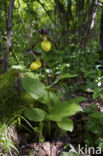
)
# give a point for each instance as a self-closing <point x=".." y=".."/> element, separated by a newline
<point x="9" y="33"/>
<point x="85" y="29"/>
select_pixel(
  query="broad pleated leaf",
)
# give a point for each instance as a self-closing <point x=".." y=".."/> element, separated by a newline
<point x="54" y="98"/>
<point x="35" y="114"/>
<point x="64" y="109"/>
<point x="66" y="124"/>
<point x="35" y="88"/>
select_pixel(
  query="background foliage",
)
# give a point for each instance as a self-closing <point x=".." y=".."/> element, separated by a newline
<point x="72" y="67"/>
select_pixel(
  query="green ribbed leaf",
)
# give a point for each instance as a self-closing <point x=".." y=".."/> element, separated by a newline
<point x="64" y="109"/>
<point x="35" y="114"/>
<point x="66" y="124"/>
<point x="35" y="88"/>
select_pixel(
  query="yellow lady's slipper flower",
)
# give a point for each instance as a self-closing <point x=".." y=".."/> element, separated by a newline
<point x="36" y="65"/>
<point x="46" y="45"/>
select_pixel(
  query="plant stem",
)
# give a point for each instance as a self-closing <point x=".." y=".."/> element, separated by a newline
<point x="48" y="100"/>
<point x="49" y="113"/>
<point x="40" y="131"/>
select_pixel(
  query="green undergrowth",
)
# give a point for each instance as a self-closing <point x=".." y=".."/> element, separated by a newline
<point x="11" y="99"/>
<point x="12" y="104"/>
<point x="7" y="81"/>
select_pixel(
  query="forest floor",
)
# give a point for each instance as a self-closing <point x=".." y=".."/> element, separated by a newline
<point x="56" y="146"/>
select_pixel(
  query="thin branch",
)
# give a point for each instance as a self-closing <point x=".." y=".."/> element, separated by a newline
<point x="101" y="30"/>
<point x="69" y="11"/>
<point x="47" y="13"/>
<point x="61" y="12"/>
<point x="92" y="10"/>
<point x="14" y="56"/>
<point x="93" y="18"/>
<point x="5" y="8"/>
<point x="22" y="19"/>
